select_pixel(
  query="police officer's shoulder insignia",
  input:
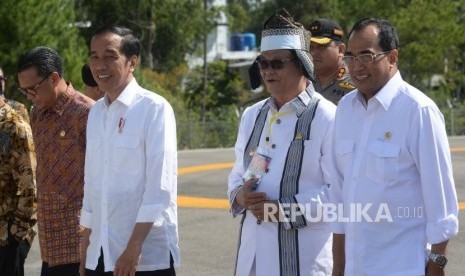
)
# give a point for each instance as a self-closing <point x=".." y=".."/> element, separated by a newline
<point x="341" y="73"/>
<point x="346" y="85"/>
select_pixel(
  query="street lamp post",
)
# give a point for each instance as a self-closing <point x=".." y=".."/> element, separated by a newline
<point x="449" y="103"/>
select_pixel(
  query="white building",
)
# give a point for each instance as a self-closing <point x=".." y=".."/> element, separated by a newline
<point x="219" y="43"/>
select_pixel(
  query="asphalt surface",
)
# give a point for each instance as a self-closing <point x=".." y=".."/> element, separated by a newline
<point x="208" y="236"/>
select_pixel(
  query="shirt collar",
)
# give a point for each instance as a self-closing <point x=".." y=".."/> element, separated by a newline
<point x="62" y="101"/>
<point x="126" y="96"/>
<point x="299" y="103"/>
<point x="387" y="93"/>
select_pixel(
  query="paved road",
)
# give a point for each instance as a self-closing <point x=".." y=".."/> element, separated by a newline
<point x="208" y="236"/>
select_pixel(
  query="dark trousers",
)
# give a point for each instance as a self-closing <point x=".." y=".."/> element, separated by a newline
<point x="60" y="270"/>
<point x="100" y="270"/>
<point x="12" y="257"/>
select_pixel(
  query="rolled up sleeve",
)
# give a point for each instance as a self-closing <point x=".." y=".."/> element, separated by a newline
<point x="435" y="166"/>
<point x="159" y="199"/>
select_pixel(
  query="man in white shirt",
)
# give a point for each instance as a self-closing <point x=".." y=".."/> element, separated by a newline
<point x="280" y="230"/>
<point x="394" y="166"/>
<point x="129" y="212"/>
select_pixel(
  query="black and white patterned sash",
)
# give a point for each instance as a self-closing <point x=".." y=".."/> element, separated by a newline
<point x="254" y="138"/>
<point x="288" y="238"/>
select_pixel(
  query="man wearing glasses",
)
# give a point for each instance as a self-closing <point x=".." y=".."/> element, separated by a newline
<point x="283" y="152"/>
<point x="17" y="106"/>
<point x="327" y="48"/>
<point x="58" y="121"/>
<point x="393" y="162"/>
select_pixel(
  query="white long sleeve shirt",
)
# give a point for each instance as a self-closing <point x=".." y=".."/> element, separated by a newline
<point x="131" y="177"/>
<point x="394" y="160"/>
<point x="259" y="244"/>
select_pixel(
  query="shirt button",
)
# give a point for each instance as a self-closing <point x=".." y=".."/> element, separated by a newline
<point x="273" y="146"/>
<point x="267" y="170"/>
<point x="278" y="121"/>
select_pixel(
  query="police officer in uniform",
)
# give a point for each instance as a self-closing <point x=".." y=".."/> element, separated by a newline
<point x="327" y="48"/>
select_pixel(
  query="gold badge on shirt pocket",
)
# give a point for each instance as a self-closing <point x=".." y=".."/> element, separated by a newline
<point x="387" y="136"/>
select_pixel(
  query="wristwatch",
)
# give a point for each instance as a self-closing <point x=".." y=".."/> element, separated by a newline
<point x="438" y="259"/>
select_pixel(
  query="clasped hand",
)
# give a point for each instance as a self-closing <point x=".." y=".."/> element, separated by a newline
<point x="254" y="201"/>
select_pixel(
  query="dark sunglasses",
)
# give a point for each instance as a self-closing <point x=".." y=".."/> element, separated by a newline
<point x="274" y="63"/>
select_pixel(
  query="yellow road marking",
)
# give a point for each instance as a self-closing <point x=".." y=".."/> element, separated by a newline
<point x="459" y="149"/>
<point x="202" y="202"/>
<point x="219" y="166"/>
<point x="202" y="168"/>
<point x="218" y="203"/>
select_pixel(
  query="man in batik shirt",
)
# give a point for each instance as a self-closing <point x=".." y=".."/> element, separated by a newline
<point x="58" y="121"/>
<point x="17" y="106"/>
<point x="17" y="191"/>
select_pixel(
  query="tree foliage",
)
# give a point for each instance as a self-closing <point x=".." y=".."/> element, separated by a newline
<point x="431" y="40"/>
<point x="224" y="87"/>
<point x="30" y="23"/>
<point x="430" y="32"/>
<point x="168" y="29"/>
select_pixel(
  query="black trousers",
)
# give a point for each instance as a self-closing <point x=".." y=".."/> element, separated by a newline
<point x="100" y="270"/>
<point x="12" y="257"/>
<point x="60" y="270"/>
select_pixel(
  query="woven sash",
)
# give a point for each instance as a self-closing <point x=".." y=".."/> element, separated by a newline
<point x="289" y="238"/>
<point x="254" y="138"/>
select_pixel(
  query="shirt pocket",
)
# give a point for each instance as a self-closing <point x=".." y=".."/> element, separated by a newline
<point x="383" y="162"/>
<point x="127" y="154"/>
<point x="311" y="160"/>
<point x="344" y="155"/>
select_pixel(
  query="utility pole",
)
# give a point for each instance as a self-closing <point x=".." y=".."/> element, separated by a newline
<point x="205" y="70"/>
<point x="449" y="103"/>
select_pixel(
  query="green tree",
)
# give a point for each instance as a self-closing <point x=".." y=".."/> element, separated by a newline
<point x="224" y="92"/>
<point x="430" y="36"/>
<point x="303" y="11"/>
<point x="168" y="29"/>
<point x="30" y="23"/>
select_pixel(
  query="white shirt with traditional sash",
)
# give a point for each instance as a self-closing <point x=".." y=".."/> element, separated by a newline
<point x="259" y="244"/>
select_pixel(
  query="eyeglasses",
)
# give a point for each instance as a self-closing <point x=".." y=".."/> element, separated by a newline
<point x="2" y="78"/>
<point x="274" y="63"/>
<point x="33" y="91"/>
<point x="364" y="58"/>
